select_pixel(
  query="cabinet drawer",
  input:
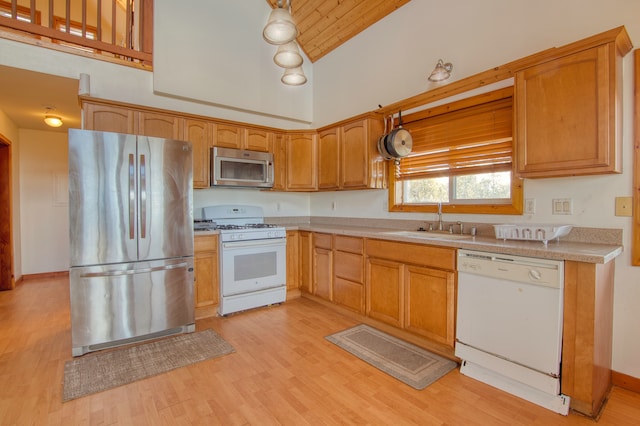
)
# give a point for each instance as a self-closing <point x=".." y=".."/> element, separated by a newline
<point x="349" y="294"/>
<point x="350" y="244"/>
<point x="349" y="266"/>
<point x="322" y="240"/>
<point x="419" y="254"/>
<point x="205" y="243"/>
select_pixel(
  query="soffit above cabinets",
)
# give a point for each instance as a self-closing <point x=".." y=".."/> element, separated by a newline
<point x="323" y="25"/>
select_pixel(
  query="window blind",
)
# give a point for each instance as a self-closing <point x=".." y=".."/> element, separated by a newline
<point x="476" y="139"/>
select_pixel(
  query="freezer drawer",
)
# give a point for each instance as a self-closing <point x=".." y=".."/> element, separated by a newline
<point x="121" y="303"/>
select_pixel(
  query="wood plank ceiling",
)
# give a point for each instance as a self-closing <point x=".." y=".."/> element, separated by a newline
<point x="323" y="25"/>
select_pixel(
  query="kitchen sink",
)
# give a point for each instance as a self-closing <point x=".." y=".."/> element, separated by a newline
<point x="425" y="235"/>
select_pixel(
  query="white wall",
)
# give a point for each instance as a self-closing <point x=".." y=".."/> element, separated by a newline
<point x="44" y="201"/>
<point x="234" y="66"/>
<point x="274" y="204"/>
<point x="391" y="61"/>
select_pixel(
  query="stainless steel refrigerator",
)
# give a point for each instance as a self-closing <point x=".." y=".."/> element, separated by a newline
<point x="131" y="235"/>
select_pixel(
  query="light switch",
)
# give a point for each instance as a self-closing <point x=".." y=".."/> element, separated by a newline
<point x="624" y="206"/>
<point x="562" y="206"/>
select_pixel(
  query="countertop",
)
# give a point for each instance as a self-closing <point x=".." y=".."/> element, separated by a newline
<point x="579" y="251"/>
<point x="558" y="250"/>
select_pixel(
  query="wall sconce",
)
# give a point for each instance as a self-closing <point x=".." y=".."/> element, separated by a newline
<point x="50" y="119"/>
<point x="280" y="27"/>
<point x="294" y="76"/>
<point x="442" y="71"/>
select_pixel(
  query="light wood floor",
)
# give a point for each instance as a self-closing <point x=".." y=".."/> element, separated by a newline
<point x="283" y="372"/>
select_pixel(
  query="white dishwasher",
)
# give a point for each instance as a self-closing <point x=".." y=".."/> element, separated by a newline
<point x="509" y="324"/>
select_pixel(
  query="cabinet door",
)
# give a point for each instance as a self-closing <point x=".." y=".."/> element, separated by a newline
<point x="348" y="280"/>
<point x="206" y="270"/>
<point x="322" y="265"/>
<point x="306" y="249"/>
<point x="354" y="158"/>
<point x="159" y="125"/>
<point x="279" y="150"/>
<point x="328" y="159"/>
<point x="565" y="115"/>
<point x="108" y="118"/>
<point x="257" y="140"/>
<point x="228" y="136"/>
<point x="384" y="291"/>
<point x="293" y="258"/>
<point x="198" y="132"/>
<point x="301" y="162"/>
<point x="430" y="303"/>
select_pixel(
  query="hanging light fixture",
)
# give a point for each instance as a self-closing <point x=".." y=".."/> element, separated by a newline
<point x="442" y="71"/>
<point x="288" y="55"/>
<point x="280" y="28"/>
<point x="50" y="119"/>
<point x="294" y="76"/>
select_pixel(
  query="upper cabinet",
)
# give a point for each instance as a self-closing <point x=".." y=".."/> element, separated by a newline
<point x="301" y="172"/>
<point x="567" y="119"/>
<point x="239" y="137"/>
<point x="257" y="139"/>
<point x="199" y="132"/>
<point x="348" y="157"/>
<point x="108" y="118"/>
<point x="159" y="125"/>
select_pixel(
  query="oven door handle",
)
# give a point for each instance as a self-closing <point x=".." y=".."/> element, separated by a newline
<point x="254" y="243"/>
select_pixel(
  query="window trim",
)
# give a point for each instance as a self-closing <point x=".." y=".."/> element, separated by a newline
<point x="515" y="207"/>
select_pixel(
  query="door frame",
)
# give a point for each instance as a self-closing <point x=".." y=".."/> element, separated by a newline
<point x="6" y="219"/>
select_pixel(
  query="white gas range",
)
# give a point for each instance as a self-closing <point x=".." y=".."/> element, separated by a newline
<point x="252" y="257"/>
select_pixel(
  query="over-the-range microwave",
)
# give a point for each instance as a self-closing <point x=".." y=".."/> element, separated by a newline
<point x="241" y="168"/>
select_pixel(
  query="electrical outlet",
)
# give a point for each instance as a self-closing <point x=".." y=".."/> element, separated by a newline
<point x="624" y="206"/>
<point x="530" y="206"/>
<point x="562" y="206"/>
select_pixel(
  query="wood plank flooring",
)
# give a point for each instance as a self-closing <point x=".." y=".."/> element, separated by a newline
<point x="283" y="372"/>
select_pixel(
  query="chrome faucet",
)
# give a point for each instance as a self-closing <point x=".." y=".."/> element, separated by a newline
<point x="440" y="227"/>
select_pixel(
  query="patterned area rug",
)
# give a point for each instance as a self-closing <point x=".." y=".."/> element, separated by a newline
<point x="99" y="371"/>
<point x="412" y="365"/>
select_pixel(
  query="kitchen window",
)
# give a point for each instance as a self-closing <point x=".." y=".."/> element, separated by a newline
<point x="462" y="157"/>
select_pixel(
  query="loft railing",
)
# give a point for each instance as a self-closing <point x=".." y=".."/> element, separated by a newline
<point x="121" y="29"/>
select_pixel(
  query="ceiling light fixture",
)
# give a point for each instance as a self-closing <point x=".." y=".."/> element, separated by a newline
<point x="50" y="119"/>
<point x="442" y="71"/>
<point x="280" y="28"/>
<point x="294" y="76"/>
<point x="288" y="55"/>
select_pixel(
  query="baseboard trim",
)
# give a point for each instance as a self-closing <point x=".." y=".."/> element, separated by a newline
<point x="44" y="276"/>
<point x="625" y="381"/>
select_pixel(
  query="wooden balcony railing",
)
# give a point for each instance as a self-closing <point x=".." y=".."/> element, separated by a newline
<point x="119" y="29"/>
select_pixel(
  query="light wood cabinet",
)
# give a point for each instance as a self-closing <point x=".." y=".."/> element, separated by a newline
<point x="279" y="150"/>
<point x="108" y="118"/>
<point x="257" y="139"/>
<point x="301" y="162"/>
<point x="323" y="266"/>
<point x="158" y="125"/>
<point x="348" y="156"/>
<point x="207" y="287"/>
<point x="568" y="119"/>
<point x="329" y="159"/>
<point x="348" y="272"/>
<point x="587" y="334"/>
<point x="413" y="287"/>
<point x="198" y="132"/>
<point x="361" y="166"/>
<point x="305" y="241"/>
<point x="228" y="136"/>
<point x="293" y="260"/>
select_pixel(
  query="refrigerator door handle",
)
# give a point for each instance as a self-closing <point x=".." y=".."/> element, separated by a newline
<point x="143" y="197"/>
<point x="132" y="197"/>
<point x="135" y="271"/>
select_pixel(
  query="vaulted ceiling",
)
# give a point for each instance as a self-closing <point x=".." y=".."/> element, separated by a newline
<point x="323" y="25"/>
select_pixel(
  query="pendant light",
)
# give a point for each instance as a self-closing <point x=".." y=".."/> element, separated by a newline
<point x="288" y="55"/>
<point x="294" y="76"/>
<point x="280" y="28"/>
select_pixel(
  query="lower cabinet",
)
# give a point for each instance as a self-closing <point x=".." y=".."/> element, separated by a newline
<point x="412" y="287"/>
<point x="207" y="287"/>
<point x="322" y="265"/>
<point x="305" y="245"/>
<point x="348" y="272"/>
<point x="293" y="256"/>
